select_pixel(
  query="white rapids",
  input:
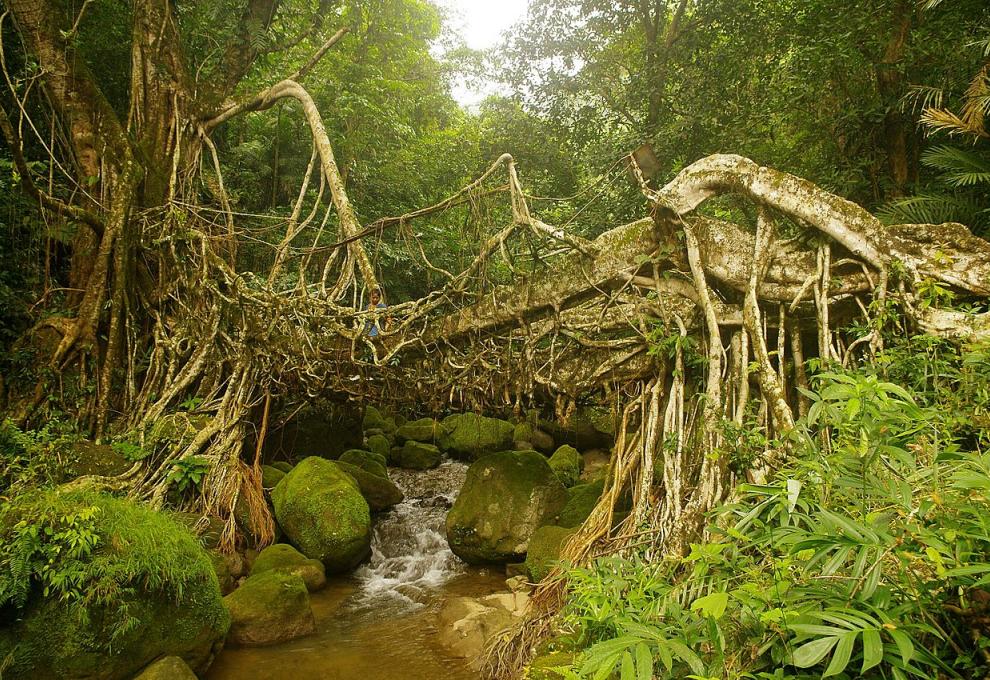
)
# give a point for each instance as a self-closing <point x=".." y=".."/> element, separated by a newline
<point x="410" y="557"/>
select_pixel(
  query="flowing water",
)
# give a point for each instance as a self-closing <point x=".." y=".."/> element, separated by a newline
<point x="380" y="623"/>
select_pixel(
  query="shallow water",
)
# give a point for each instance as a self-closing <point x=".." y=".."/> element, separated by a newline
<point x="381" y="622"/>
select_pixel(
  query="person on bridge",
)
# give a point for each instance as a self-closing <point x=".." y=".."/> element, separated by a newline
<point x="376" y="324"/>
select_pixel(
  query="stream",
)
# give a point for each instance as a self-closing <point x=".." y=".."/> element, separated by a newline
<point x="380" y="622"/>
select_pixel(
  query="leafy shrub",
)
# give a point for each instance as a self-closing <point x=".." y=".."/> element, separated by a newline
<point x="867" y="557"/>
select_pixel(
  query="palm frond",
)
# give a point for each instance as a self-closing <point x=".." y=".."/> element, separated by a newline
<point x="935" y="209"/>
<point x="958" y="167"/>
<point x="943" y="120"/>
<point x="923" y="97"/>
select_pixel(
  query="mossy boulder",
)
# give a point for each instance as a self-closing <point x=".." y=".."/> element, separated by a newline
<point x="566" y="462"/>
<point x="86" y="458"/>
<point x="366" y="460"/>
<point x="283" y="465"/>
<point x="469" y="436"/>
<point x="271" y="476"/>
<point x="380" y="492"/>
<point x="535" y="437"/>
<point x="505" y="497"/>
<point x="284" y="558"/>
<point x="268" y="608"/>
<point x="160" y="595"/>
<point x="544" y="550"/>
<point x="422" y="430"/>
<point x="374" y="419"/>
<point x="378" y="443"/>
<point x="168" y="668"/>
<point x="417" y="456"/>
<point x="581" y="500"/>
<point x="322" y="512"/>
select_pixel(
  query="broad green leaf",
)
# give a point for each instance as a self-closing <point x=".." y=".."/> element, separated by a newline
<point x="712" y="605"/>
<point x="811" y="653"/>
<point x="872" y="649"/>
<point x="843" y="652"/>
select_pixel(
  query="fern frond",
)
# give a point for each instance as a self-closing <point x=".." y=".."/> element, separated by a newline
<point x="959" y="167"/>
<point x="923" y="97"/>
<point x="933" y="209"/>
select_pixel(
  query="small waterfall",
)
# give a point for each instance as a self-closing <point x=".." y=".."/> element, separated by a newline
<point x="410" y="556"/>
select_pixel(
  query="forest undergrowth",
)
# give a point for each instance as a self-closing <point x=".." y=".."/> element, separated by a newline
<point x="865" y="556"/>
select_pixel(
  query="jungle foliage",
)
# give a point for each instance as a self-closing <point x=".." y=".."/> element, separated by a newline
<point x="867" y="556"/>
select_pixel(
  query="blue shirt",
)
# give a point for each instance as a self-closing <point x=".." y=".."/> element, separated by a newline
<point x="371" y="327"/>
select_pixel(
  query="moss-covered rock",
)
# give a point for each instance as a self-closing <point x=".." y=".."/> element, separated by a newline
<point x="380" y="492"/>
<point x="269" y="607"/>
<point x="566" y="462"/>
<point x="417" y="456"/>
<point x="378" y="443"/>
<point x="366" y="460"/>
<point x="374" y="419"/>
<point x="86" y="458"/>
<point x="283" y="465"/>
<point x="169" y="668"/>
<point x="544" y="550"/>
<point x="284" y="558"/>
<point x="469" y="436"/>
<point x="535" y="437"/>
<point x="270" y="476"/>
<point x="581" y="500"/>
<point x="505" y="497"/>
<point x="225" y="576"/>
<point x="160" y="596"/>
<point x="322" y="512"/>
<point x="422" y="430"/>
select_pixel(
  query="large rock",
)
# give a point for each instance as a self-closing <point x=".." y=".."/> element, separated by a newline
<point x="378" y="443"/>
<point x="375" y="421"/>
<point x="505" y="497"/>
<point x="160" y="596"/>
<point x="581" y="500"/>
<point x="567" y="463"/>
<point x="469" y="436"/>
<point x="416" y="456"/>
<point x="544" y="550"/>
<point x="468" y="624"/>
<point x="284" y="558"/>
<point x="271" y="476"/>
<point x="322" y="512"/>
<point x="380" y="492"/>
<point x="535" y="437"/>
<point x="366" y="460"/>
<point x="169" y="668"/>
<point x="283" y="465"/>
<point x="423" y="430"/>
<point x="86" y="458"/>
<point x="269" y="607"/>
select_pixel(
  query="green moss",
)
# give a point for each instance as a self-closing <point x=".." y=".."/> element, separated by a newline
<point x="321" y="510"/>
<point x="270" y="476"/>
<point x="566" y="462"/>
<point x="505" y="497"/>
<point x="147" y="589"/>
<point x="581" y="500"/>
<point x="544" y="550"/>
<point x="283" y="465"/>
<point x="422" y="430"/>
<point x="469" y="436"/>
<point x="270" y="607"/>
<point x="169" y="668"/>
<point x="284" y="558"/>
<point x="417" y="456"/>
<point x="379" y="444"/>
<point x="380" y="492"/>
<point x="366" y="460"/>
